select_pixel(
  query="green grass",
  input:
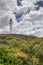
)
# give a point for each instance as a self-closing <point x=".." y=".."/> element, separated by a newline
<point x="21" y="50"/>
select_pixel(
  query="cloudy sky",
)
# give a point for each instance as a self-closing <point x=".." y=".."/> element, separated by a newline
<point x="27" y="17"/>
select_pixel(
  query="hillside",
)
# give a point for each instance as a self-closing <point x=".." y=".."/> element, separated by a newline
<point x="20" y="50"/>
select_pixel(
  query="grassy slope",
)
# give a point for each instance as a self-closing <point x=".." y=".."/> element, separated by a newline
<point x="21" y="44"/>
<point x="21" y="38"/>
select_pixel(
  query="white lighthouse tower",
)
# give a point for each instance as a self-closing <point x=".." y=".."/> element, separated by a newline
<point x="10" y="23"/>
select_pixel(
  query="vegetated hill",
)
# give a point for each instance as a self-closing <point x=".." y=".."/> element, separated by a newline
<point x="20" y="50"/>
<point x="3" y="36"/>
<point x="20" y="37"/>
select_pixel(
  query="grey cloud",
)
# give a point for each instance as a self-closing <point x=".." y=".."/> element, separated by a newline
<point x="25" y="26"/>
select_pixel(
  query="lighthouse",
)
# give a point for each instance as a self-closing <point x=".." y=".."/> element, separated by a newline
<point x="10" y="23"/>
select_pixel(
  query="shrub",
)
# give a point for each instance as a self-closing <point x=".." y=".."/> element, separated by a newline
<point x="6" y="55"/>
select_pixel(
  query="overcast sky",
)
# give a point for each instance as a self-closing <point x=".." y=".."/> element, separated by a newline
<point x="27" y="16"/>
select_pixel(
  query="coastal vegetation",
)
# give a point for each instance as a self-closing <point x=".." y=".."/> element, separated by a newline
<point x="21" y="50"/>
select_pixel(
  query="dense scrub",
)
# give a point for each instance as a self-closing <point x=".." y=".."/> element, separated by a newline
<point x="21" y="50"/>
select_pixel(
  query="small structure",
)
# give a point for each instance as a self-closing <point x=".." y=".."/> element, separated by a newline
<point x="10" y="26"/>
